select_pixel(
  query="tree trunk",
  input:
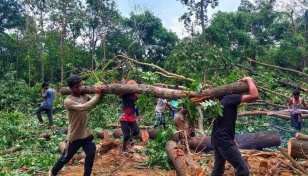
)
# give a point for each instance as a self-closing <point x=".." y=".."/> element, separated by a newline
<point x="143" y="134"/>
<point x="237" y="87"/>
<point x="183" y="163"/>
<point x="298" y="148"/>
<point x="264" y="139"/>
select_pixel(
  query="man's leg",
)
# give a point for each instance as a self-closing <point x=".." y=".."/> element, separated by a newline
<point x="68" y="153"/>
<point x="234" y="157"/>
<point x="39" y="114"/>
<point x="126" y="135"/>
<point x="219" y="163"/>
<point x="49" y="115"/>
<point x="158" y="119"/>
<point x="89" y="148"/>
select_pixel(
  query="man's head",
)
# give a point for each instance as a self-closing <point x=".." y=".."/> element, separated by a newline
<point x="74" y="83"/>
<point x="45" y="84"/>
<point x="296" y="93"/>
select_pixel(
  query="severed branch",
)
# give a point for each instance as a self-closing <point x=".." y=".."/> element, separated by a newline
<point x="267" y="90"/>
<point x="273" y="66"/>
<point x="158" y="68"/>
<point x="268" y="113"/>
<point x="285" y="153"/>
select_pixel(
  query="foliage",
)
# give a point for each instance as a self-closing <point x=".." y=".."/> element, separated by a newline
<point x="156" y="149"/>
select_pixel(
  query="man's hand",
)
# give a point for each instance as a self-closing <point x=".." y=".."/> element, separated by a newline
<point x="245" y="79"/>
<point x="98" y="90"/>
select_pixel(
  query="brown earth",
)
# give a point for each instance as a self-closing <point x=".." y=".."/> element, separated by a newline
<point x="109" y="161"/>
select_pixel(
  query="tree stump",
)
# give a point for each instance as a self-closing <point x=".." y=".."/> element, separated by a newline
<point x="143" y="134"/>
<point x="102" y="134"/>
<point x="298" y="148"/>
<point x="183" y="163"/>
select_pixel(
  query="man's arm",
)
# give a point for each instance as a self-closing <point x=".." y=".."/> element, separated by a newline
<point x="305" y="105"/>
<point x="253" y="91"/>
<point x="84" y="106"/>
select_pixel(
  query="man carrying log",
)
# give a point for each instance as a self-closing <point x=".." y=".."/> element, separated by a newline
<point x="224" y="132"/>
<point x="128" y="122"/>
<point x="77" y="106"/>
<point x="294" y="105"/>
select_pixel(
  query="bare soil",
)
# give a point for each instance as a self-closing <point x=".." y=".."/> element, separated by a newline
<point x="110" y="161"/>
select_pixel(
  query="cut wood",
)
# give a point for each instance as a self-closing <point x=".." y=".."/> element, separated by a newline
<point x="11" y="150"/>
<point x="46" y="136"/>
<point x="298" y="148"/>
<point x="287" y="155"/>
<point x="301" y="136"/>
<point x="143" y="134"/>
<point x="183" y="163"/>
<point x="260" y="140"/>
<point x="217" y="92"/>
<point x="102" y="134"/>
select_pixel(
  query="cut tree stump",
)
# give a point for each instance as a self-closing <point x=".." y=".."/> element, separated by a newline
<point x="143" y="134"/>
<point x="183" y="163"/>
<point x="298" y="148"/>
<point x="217" y="92"/>
<point x="260" y="140"/>
<point x="102" y="134"/>
<point x="301" y="136"/>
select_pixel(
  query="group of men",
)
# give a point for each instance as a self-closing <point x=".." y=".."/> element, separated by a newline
<point x="77" y="104"/>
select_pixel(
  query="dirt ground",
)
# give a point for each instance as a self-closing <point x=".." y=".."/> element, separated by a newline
<point x="109" y="161"/>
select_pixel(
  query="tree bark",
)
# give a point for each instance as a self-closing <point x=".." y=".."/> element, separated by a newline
<point x="237" y="87"/>
<point x="183" y="163"/>
<point x="298" y="148"/>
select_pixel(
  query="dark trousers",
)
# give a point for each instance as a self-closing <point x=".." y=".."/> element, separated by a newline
<point x="233" y="156"/>
<point x="87" y="144"/>
<point x="48" y="112"/>
<point x="129" y="128"/>
<point x="296" y="121"/>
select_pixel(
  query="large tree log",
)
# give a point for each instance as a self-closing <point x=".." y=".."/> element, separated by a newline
<point x="217" y="92"/>
<point x="260" y="140"/>
<point x="183" y="163"/>
<point x="143" y="134"/>
<point x="298" y="148"/>
<point x="119" y="126"/>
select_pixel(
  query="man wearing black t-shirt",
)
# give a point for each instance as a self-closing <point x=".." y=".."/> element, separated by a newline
<point x="224" y="131"/>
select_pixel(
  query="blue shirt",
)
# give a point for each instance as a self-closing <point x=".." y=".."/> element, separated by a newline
<point x="50" y="95"/>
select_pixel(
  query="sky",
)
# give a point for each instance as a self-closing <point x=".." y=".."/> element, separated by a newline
<point x="169" y="11"/>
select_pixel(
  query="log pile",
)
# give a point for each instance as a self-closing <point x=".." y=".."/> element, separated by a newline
<point x="298" y="146"/>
